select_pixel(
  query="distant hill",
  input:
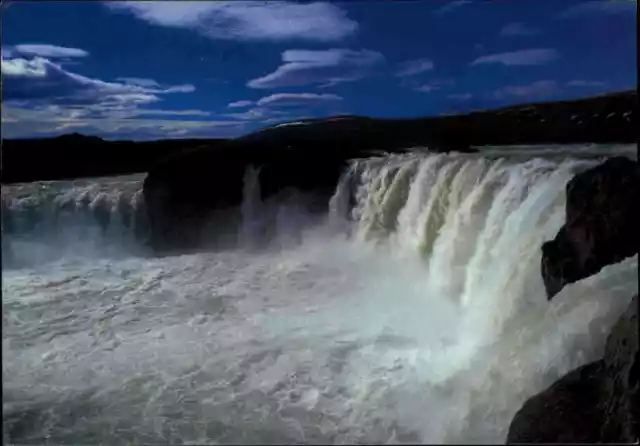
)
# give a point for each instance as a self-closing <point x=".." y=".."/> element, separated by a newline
<point x="76" y="156"/>
<point x="608" y="118"/>
<point x="192" y="192"/>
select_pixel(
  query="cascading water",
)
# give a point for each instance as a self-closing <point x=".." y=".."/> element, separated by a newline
<point x="50" y="220"/>
<point x="414" y="312"/>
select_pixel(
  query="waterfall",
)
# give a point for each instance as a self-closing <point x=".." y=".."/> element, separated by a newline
<point x="414" y="311"/>
<point x="475" y="226"/>
<point x="48" y="220"/>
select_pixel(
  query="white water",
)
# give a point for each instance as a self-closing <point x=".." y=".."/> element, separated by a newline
<point x="82" y="218"/>
<point x="417" y="316"/>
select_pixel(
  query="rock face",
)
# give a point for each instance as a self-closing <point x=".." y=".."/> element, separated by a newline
<point x="76" y="156"/>
<point x="595" y="403"/>
<point x="610" y="118"/>
<point x="197" y="192"/>
<point x="601" y="224"/>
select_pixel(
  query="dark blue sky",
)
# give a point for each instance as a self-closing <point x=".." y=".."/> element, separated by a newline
<point x="204" y="69"/>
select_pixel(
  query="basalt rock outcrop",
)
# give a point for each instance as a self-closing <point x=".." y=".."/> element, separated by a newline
<point x="601" y="225"/>
<point x="596" y="403"/>
<point x="197" y="192"/>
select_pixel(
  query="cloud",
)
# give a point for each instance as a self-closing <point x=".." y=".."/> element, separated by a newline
<point x="295" y="99"/>
<point x="413" y="67"/>
<point x="329" y="67"/>
<point x="23" y="67"/>
<point x="141" y="82"/>
<point x="460" y="96"/>
<point x="240" y="104"/>
<point x="257" y="114"/>
<point x="40" y="80"/>
<point x="246" y="20"/>
<point x="450" y="6"/>
<point x="436" y="84"/>
<point x="520" y="58"/>
<point x="45" y="121"/>
<point x="536" y="90"/>
<point x="600" y="7"/>
<point x="41" y="97"/>
<point x="582" y="83"/>
<point x="426" y="88"/>
<point x="48" y="51"/>
<point x="269" y="108"/>
<point x="517" y="29"/>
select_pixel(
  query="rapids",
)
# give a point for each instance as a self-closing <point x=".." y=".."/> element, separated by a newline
<point x="413" y="312"/>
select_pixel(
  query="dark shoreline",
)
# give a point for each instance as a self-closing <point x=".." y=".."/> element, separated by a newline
<point x="609" y="118"/>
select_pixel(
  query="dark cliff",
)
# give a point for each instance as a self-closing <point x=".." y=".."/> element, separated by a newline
<point x="188" y="189"/>
<point x="608" y="118"/>
<point x="76" y="156"/>
<point x="598" y="402"/>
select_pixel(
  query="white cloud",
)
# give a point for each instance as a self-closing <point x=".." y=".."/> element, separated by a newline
<point x="450" y="6"/>
<point x="246" y="20"/>
<point x="161" y="112"/>
<point x="517" y="29"/>
<point x="269" y="108"/>
<point x="240" y="104"/>
<point x="436" y="84"/>
<point x="413" y="67"/>
<point x="584" y="83"/>
<point x="141" y="82"/>
<point x="538" y="56"/>
<point x="20" y="122"/>
<point x="307" y="67"/>
<point x="460" y="96"/>
<point x="427" y="88"/>
<point x="36" y="67"/>
<point x="289" y="99"/>
<point x="600" y="7"/>
<point x="186" y="88"/>
<point x="41" y="97"/>
<point x="121" y="129"/>
<point x="48" y="51"/>
<point x="41" y="80"/>
<point x="536" y="90"/>
<point x="259" y="114"/>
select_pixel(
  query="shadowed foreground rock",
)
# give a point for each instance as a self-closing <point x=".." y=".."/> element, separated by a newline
<point x="596" y="403"/>
<point x="601" y="224"/>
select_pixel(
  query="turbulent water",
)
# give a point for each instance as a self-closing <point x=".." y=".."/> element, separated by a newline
<point x="414" y="312"/>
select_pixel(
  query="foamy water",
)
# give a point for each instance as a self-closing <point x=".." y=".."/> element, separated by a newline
<point x="414" y="312"/>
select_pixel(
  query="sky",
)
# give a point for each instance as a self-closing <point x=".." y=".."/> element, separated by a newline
<point x="182" y="69"/>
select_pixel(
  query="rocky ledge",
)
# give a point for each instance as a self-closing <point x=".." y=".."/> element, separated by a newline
<point x="598" y="402"/>
<point x="198" y="192"/>
<point x="595" y="403"/>
<point x="601" y="224"/>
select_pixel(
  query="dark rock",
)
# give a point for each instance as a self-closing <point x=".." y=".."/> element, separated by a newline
<point x="197" y="192"/>
<point x="609" y="118"/>
<point x="567" y="412"/>
<point x="75" y="156"/>
<point x="601" y="224"/>
<point x="595" y="403"/>
<point x="622" y="374"/>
